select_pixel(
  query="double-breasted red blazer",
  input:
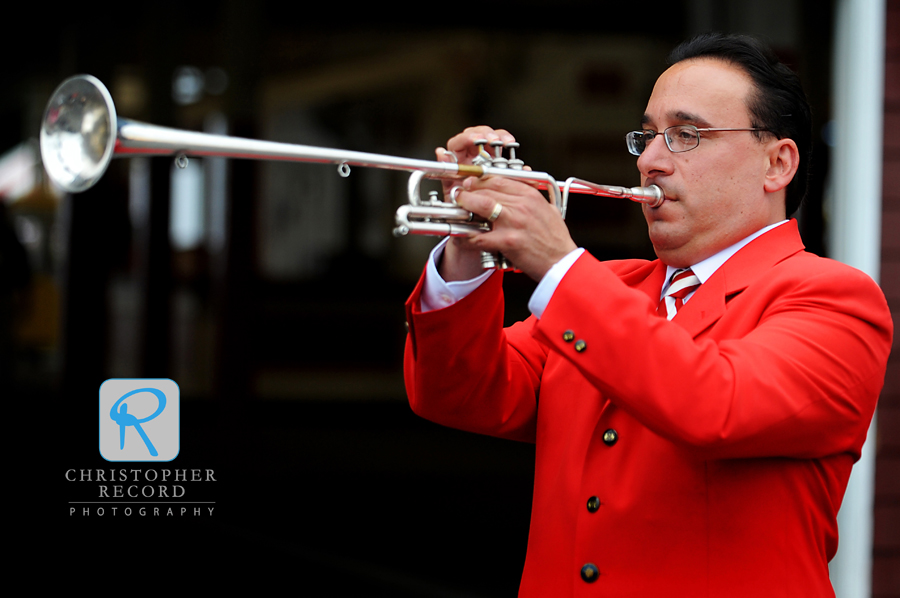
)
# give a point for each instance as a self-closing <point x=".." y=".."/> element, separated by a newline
<point x="703" y="456"/>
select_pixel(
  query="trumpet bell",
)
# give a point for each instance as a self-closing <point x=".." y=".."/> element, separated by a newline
<point x="78" y="133"/>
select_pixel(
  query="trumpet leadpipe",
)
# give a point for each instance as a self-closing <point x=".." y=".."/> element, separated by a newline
<point x="652" y="195"/>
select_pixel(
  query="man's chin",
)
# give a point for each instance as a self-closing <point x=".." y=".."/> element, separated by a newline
<point x="664" y="235"/>
<point x="666" y="243"/>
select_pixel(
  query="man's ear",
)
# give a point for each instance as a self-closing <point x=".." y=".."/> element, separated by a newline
<point x="783" y="160"/>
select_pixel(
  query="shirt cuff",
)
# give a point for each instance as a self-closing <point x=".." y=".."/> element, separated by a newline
<point x="438" y="293"/>
<point x="545" y="289"/>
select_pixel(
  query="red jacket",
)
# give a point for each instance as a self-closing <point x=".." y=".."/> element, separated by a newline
<point x="706" y="456"/>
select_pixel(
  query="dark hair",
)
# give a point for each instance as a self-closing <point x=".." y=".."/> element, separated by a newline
<point x="779" y="104"/>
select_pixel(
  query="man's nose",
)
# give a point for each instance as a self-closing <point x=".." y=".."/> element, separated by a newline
<point x="656" y="159"/>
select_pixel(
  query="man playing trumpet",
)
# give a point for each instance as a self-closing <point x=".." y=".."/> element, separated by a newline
<point x="695" y="417"/>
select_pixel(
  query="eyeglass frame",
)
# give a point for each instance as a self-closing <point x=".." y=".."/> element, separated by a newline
<point x="629" y="137"/>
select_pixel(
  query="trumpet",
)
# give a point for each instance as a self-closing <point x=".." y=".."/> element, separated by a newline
<point x="81" y="133"/>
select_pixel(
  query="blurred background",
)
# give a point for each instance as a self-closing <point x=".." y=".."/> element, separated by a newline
<point x="273" y="293"/>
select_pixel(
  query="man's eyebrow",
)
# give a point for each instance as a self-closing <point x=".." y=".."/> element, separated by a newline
<point x="681" y="117"/>
<point x="691" y="119"/>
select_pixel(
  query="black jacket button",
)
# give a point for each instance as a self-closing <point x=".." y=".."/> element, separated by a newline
<point x="580" y="345"/>
<point x="590" y="573"/>
<point x="568" y="336"/>
<point x="593" y="504"/>
<point x="610" y="437"/>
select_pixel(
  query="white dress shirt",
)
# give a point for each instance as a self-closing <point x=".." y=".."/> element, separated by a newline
<point x="437" y="293"/>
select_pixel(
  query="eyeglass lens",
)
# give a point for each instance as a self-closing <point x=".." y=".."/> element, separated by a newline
<point x="680" y="138"/>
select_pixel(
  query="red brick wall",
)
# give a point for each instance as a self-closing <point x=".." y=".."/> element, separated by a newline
<point x="886" y="565"/>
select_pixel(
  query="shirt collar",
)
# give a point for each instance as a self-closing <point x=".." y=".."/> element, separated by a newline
<point x="705" y="269"/>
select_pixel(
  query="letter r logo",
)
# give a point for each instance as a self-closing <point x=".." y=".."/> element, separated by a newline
<point x="139" y="419"/>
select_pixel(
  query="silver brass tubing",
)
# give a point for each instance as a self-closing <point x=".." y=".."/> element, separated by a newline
<point x="438" y="221"/>
<point x="81" y="133"/>
<point x="135" y="138"/>
<point x="653" y="196"/>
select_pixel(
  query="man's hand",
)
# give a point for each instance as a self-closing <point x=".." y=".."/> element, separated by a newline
<point x="529" y="230"/>
<point x="462" y="261"/>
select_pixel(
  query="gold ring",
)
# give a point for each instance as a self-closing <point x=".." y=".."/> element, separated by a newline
<point x="496" y="213"/>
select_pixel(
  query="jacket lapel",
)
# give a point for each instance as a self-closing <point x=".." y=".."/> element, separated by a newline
<point x="650" y="284"/>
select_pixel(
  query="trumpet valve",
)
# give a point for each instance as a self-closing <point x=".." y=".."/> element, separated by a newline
<point x="514" y="163"/>
<point x="497" y="160"/>
<point x="483" y="158"/>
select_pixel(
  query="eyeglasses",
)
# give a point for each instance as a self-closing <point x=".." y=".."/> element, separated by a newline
<point x="680" y="138"/>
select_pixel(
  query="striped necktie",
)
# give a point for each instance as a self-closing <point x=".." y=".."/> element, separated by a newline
<point x="683" y="284"/>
